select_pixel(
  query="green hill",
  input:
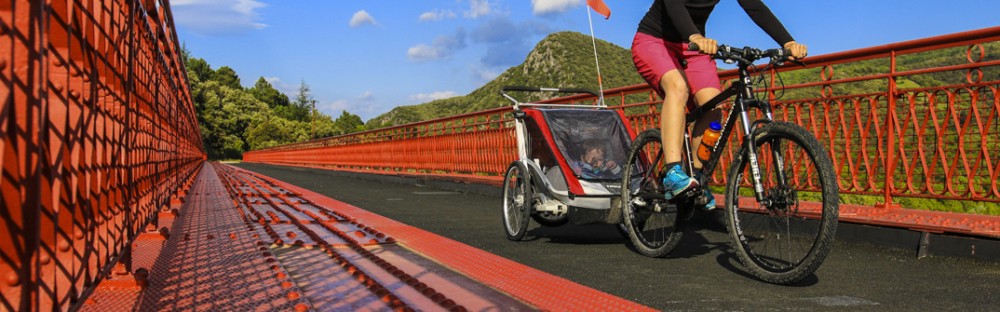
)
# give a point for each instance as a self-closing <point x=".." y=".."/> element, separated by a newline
<point x="563" y="59"/>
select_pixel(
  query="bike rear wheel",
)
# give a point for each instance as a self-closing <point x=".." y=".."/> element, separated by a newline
<point x="785" y="237"/>
<point x="517" y="201"/>
<point x="654" y="225"/>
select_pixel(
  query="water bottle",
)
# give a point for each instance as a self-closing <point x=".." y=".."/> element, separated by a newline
<point x="708" y="140"/>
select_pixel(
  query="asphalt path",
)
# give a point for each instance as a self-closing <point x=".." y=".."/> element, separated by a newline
<point x="702" y="274"/>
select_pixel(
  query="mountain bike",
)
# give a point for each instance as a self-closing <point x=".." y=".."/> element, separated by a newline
<point x="781" y="195"/>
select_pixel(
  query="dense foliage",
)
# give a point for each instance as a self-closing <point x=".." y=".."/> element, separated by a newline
<point x="234" y="119"/>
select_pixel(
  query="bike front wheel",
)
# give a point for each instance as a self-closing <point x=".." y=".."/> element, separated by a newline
<point x="654" y="225"/>
<point x="786" y="236"/>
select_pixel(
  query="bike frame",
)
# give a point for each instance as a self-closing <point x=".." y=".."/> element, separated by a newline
<point x="743" y="90"/>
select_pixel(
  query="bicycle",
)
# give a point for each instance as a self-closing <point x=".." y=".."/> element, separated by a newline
<point x="778" y="238"/>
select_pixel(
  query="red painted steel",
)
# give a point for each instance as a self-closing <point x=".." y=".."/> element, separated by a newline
<point x="242" y="241"/>
<point x="896" y="138"/>
<point x="97" y="134"/>
<point x="380" y="263"/>
<point x="203" y="258"/>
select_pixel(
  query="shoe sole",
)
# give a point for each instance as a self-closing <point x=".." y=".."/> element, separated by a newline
<point x="686" y="188"/>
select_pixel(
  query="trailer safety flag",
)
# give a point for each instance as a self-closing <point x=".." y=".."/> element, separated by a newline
<point x="600" y="8"/>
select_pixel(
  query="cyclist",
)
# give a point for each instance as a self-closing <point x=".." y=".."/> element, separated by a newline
<point x="660" y="52"/>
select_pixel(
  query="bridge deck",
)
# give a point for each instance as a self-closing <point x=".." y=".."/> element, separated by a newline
<point x="245" y="241"/>
<point x="242" y="241"/>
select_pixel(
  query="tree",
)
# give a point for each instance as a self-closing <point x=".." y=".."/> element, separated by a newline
<point x="303" y="104"/>
<point x="210" y="117"/>
<point x="325" y="126"/>
<point x="348" y="123"/>
<point x="225" y="114"/>
<point x="227" y="77"/>
<point x="269" y="131"/>
<point x="265" y="92"/>
<point x="233" y="119"/>
<point x="199" y="69"/>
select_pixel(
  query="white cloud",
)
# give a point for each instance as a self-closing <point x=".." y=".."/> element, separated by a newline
<point x="442" y="47"/>
<point x="361" y="18"/>
<point x="247" y="6"/>
<point x="543" y="7"/>
<point x="478" y="8"/>
<point x="427" y="97"/>
<point x="363" y="104"/>
<point x="217" y="17"/>
<point x="278" y="84"/>
<point x="436" y="15"/>
<point x="423" y="52"/>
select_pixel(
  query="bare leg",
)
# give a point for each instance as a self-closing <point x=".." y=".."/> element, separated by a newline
<point x="675" y="87"/>
<point x="703" y="96"/>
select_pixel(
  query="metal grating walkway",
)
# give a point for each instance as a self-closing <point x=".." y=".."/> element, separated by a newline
<point x="246" y="242"/>
<point x="208" y="260"/>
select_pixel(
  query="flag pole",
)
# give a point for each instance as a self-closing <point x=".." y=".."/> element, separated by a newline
<point x="593" y="40"/>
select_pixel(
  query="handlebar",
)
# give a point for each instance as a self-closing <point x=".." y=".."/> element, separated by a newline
<point x="746" y="55"/>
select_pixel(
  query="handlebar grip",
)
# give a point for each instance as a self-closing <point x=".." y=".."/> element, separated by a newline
<point x="693" y="47"/>
<point x="520" y="88"/>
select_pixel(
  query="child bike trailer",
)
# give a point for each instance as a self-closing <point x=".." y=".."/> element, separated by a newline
<point x="569" y="165"/>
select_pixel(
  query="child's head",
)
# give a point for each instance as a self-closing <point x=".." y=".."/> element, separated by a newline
<point x="593" y="154"/>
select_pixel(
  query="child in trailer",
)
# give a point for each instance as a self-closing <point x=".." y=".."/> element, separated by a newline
<point x="594" y="164"/>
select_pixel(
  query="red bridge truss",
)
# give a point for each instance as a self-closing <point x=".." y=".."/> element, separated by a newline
<point x="97" y="135"/>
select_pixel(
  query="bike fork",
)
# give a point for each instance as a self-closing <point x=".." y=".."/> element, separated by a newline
<point x="751" y="150"/>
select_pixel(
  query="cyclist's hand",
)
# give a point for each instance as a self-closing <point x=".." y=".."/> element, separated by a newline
<point x="705" y="45"/>
<point x="797" y="50"/>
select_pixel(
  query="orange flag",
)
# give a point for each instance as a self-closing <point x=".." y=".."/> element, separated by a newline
<point x="600" y="8"/>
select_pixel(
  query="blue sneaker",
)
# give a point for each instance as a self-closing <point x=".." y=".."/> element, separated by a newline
<point x="711" y="200"/>
<point x="676" y="182"/>
<point x="710" y="204"/>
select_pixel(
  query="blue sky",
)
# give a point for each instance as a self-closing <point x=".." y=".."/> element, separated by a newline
<point x="368" y="56"/>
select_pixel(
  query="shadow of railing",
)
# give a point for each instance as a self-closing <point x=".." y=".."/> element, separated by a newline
<point x="97" y="133"/>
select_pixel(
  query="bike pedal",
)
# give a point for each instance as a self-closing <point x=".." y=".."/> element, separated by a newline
<point x="689" y="195"/>
<point x="699" y="201"/>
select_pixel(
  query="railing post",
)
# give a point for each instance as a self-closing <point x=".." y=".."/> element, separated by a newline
<point x="890" y="134"/>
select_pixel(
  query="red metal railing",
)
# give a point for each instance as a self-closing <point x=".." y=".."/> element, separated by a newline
<point x="913" y="129"/>
<point x="97" y="134"/>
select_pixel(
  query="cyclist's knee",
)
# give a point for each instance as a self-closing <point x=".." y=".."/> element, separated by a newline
<point x="674" y="84"/>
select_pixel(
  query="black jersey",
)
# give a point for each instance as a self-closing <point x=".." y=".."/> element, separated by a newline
<point x="677" y="20"/>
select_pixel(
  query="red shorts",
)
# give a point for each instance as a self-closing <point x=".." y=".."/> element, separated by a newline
<point x="654" y="57"/>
